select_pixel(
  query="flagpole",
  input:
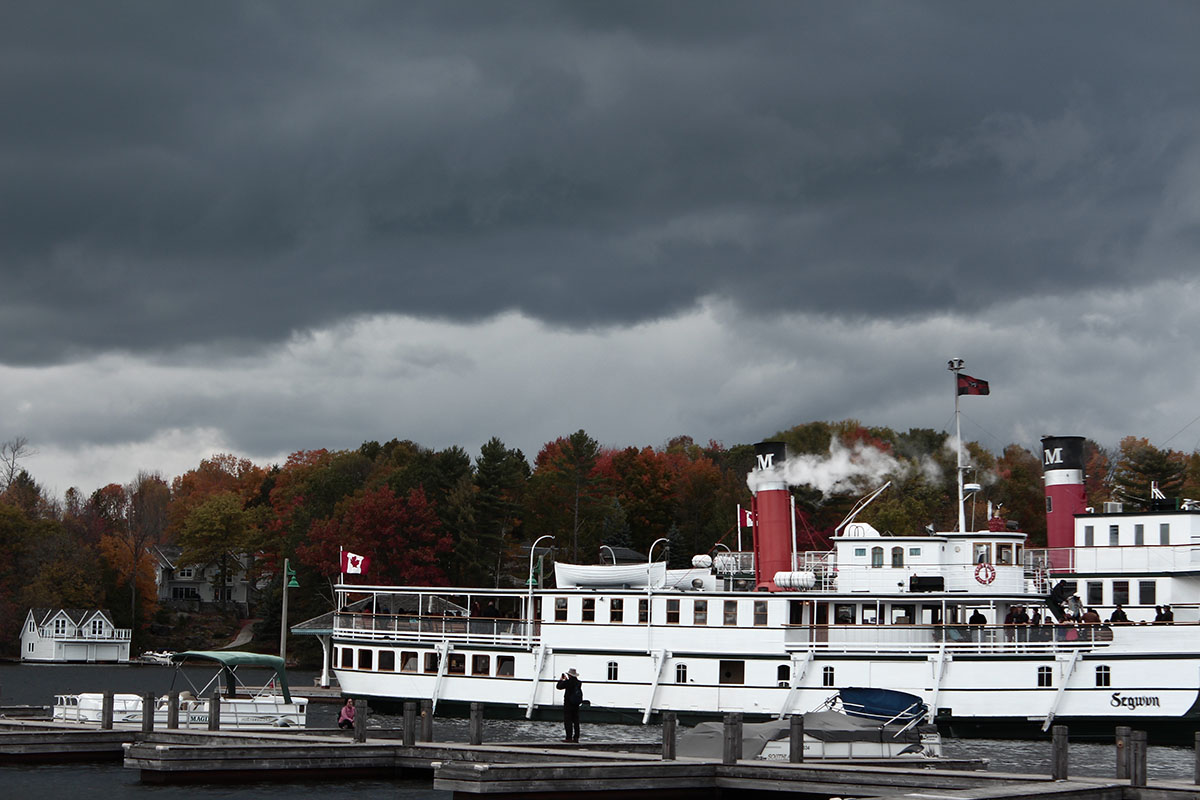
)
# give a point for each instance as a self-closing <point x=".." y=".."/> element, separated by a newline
<point x="739" y="524"/>
<point x="955" y="365"/>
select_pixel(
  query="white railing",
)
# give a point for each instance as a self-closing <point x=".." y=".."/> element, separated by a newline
<point x="424" y="628"/>
<point x="953" y="638"/>
<point x="1120" y="558"/>
<point x="84" y="634"/>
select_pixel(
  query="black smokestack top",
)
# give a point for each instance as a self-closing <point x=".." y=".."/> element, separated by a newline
<point x="1062" y="452"/>
<point x="768" y="455"/>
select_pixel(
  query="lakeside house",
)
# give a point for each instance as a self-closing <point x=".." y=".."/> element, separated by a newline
<point x="73" y="634"/>
<point x="194" y="586"/>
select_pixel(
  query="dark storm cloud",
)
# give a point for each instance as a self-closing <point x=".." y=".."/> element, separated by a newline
<point x="173" y="173"/>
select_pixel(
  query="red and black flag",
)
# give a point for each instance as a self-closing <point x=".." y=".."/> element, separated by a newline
<point x="969" y="385"/>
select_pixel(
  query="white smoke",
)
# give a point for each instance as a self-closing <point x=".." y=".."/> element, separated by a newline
<point x="844" y="469"/>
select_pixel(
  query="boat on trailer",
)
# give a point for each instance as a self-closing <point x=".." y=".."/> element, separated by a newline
<point x="985" y="630"/>
<point x="267" y="707"/>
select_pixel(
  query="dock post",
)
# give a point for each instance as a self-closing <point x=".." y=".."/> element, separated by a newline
<point x="1196" y="779"/>
<point x="214" y="711"/>
<point x="1123" y="732"/>
<point x="475" y="724"/>
<point x="732" y="752"/>
<point x="410" y="723"/>
<point x="106" y="710"/>
<point x="426" y="720"/>
<point x="796" y="740"/>
<point x="1058" y="761"/>
<point x="668" y="735"/>
<point x="360" y="720"/>
<point x="1137" y="759"/>
<point x="173" y="709"/>
<point x="148" y="712"/>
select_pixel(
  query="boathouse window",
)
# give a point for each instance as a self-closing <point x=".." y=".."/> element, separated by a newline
<point x="730" y="617"/>
<point x="97" y="627"/>
<point x="700" y="612"/>
<point x="387" y="660"/>
<point x="60" y="627"/>
<point x="1103" y="675"/>
<point x="681" y="673"/>
<point x="616" y="610"/>
<point x="589" y="609"/>
<point x="32" y="625"/>
<point x="733" y="672"/>
<point x="783" y="675"/>
<point x="760" y="612"/>
<point x="876" y="557"/>
<point x="481" y="665"/>
<point x="613" y="670"/>
<point x="897" y="556"/>
<point x="827" y="677"/>
<point x="365" y="659"/>
<point x="506" y="666"/>
<point x="1089" y="536"/>
<point x="672" y="612"/>
<point x="1045" y="676"/>
<point x="643" y="610"/>
<point x="1120" y="593"/>
<point x="982" y="553"/>
<point x="1004" y="554"/>
<point x="1164" y="533"/>
<point x="1114" y="535"/>
<point x="408" y="661"/>
<point x="431" y="662"/>
<point x="1095" y="593"/>
<point x="1147" y="595"/>
<point x="560" y="609"/>
<point x="1139" y="534"/>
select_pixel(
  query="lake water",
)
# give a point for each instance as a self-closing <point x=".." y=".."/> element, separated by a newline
<point x="23" y="684"/>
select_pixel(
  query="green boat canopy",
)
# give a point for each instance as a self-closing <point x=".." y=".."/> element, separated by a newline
<point x="230" y="659"/>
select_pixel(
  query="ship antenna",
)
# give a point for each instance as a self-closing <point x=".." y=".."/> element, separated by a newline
<point x="859" y="506"/>
<point x="955" y="365"/>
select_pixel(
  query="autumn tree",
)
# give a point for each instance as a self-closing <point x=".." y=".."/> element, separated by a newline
<point x="500" y="478"/>
<point x="564" y="496"/>
<point x="1141" y="464"/>
<point x="134" y="518"/>
<point x="219" y="531"/>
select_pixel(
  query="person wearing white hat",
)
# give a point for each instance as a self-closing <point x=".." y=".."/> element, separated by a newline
<point x="572" y="698"/>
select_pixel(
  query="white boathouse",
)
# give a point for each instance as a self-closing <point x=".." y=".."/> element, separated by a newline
<point x="73" y="634"/>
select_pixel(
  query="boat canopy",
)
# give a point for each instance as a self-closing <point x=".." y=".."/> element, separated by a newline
<point x="231" y="659"/>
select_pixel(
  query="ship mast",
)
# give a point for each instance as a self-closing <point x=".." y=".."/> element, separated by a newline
<point x="955" y="365"/>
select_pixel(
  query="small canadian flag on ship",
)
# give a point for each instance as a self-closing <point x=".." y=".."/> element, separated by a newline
<point x="353" y="563"/>
<point x="747" y="519"/>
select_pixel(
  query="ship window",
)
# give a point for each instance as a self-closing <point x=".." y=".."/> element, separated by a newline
<point x="560" y="609"/>
<point x="982" y="553"/>
<point x="897" y="556"/>
<point x="643" y="610"/>
<point x="1045" y="676"/>
<point x="1004" y="554"/>
<point x="481" y="665"/>
<point x="1147" y="595"/>
<point x="1049" y="504"/>
<point x="364" y="659"/>
<point x="914" y="551"/>
<point x="589" y="609"/>
<point x="672" y="612"/>
<point x="1164" y="533"/>
<point x="843" y="614"/>
<point x="431" y="662"/>
<point x="700" y="612"/>
<point x="1089" y="535"/>
<point x="1103" y="676"/>
<point x="827" y="676"/>
<point x="1114" y="535"/>
<point x="387" y="660"/>
<point x="681" y="673"/>
<point x="613" y="670"/>
<point x="506" y="666"/>
<point x="903" y="614"/>
<point x="1120" y="593"/>
<point x="783" y="675"/>
<point x="869" y="617"/>
<point x="860" y="552"/>
<point x="1139" y="535"/>
<point x="760" y="612"/>
<point x="733" y="672"/>
<point x="408" y="661"/>
<point x="876" y="557"/>
<point x="1095" y="593"/>
<point x="616" y="610"/>
<point x="730" y="612"/>
<point x="456" y="664"/>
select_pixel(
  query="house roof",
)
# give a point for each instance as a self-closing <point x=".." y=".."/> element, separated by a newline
<point x="77" y="616"/>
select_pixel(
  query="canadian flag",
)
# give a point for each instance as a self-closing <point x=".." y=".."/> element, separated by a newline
<point x="354" y="564"/>
<point x="747" y="520"/>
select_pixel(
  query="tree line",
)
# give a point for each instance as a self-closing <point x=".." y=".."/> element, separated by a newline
<point x="445" y="517"/>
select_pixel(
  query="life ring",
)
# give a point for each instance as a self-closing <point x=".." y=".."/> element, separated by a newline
<point x="985" y="573"/>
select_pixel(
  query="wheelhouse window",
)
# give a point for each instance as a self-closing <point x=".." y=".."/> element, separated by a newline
<point x="616" y="610"/>
<point x="681" y="673"/>
<point x="1103" y="675"/>
<point x="1004" y="554"/>
<point x="672" y="611"/>
<point x="481" y="665"/>
<point x="897" y="556"/>
<point x="589" y="609"/>
<point x="1164" y="533"/>
<point x="760" y="612"/>
<point x="613" y="671"/>
<point x="982" y="553"/>
<point x="700" y="612"/>
<point x="827" y="677"/>
<point x="408" y="661"/>
<point x="1114" y="535"/>
<point x="1120" y="593"/>
<point x="387" y="660"/>
<point x="1045" y="676"/>
<point x="560" y="609"/>
<point x="730" y="616"/>
<point x="733" y="672"/>
<point x="643" y="610"/>
<point x="1139" y="534"/>
<point x="1147" y="594"/>
<point x="1089" y="536"/>
<point x="876" y="557"/>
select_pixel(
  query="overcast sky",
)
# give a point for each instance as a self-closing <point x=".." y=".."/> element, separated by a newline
<point x="259" y="227"/>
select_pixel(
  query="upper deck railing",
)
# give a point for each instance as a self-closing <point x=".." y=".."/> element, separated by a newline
<point x="1117" y="558"/>
<point x="84" y="634"/>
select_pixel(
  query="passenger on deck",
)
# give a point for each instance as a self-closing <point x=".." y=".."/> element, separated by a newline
<point x="1118" y="615"/>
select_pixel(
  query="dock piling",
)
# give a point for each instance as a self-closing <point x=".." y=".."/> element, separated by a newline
<point x="1137" y="759"/>
<point x="475" y="724"/>
<point x="732" y="752"/>
<point x="426" y="720"/>
<point x="148" y="712"/>
<point x="1122" y="738"/>
<point x="668" y="735"/>
<point x="1196" y="778"/>
<point x="796" y="739"/>
<point x="1058" y="761"/>
<point x="173" y="709"/>
<point x="106" y="710"/>
<point x="360" y="720"/>
<point x="214" y="711"/>
<point x="410" y="723"/>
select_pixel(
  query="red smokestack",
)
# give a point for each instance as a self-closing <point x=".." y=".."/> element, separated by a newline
<point x="1062" y="467"/>
<point x="772" y="515"/>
